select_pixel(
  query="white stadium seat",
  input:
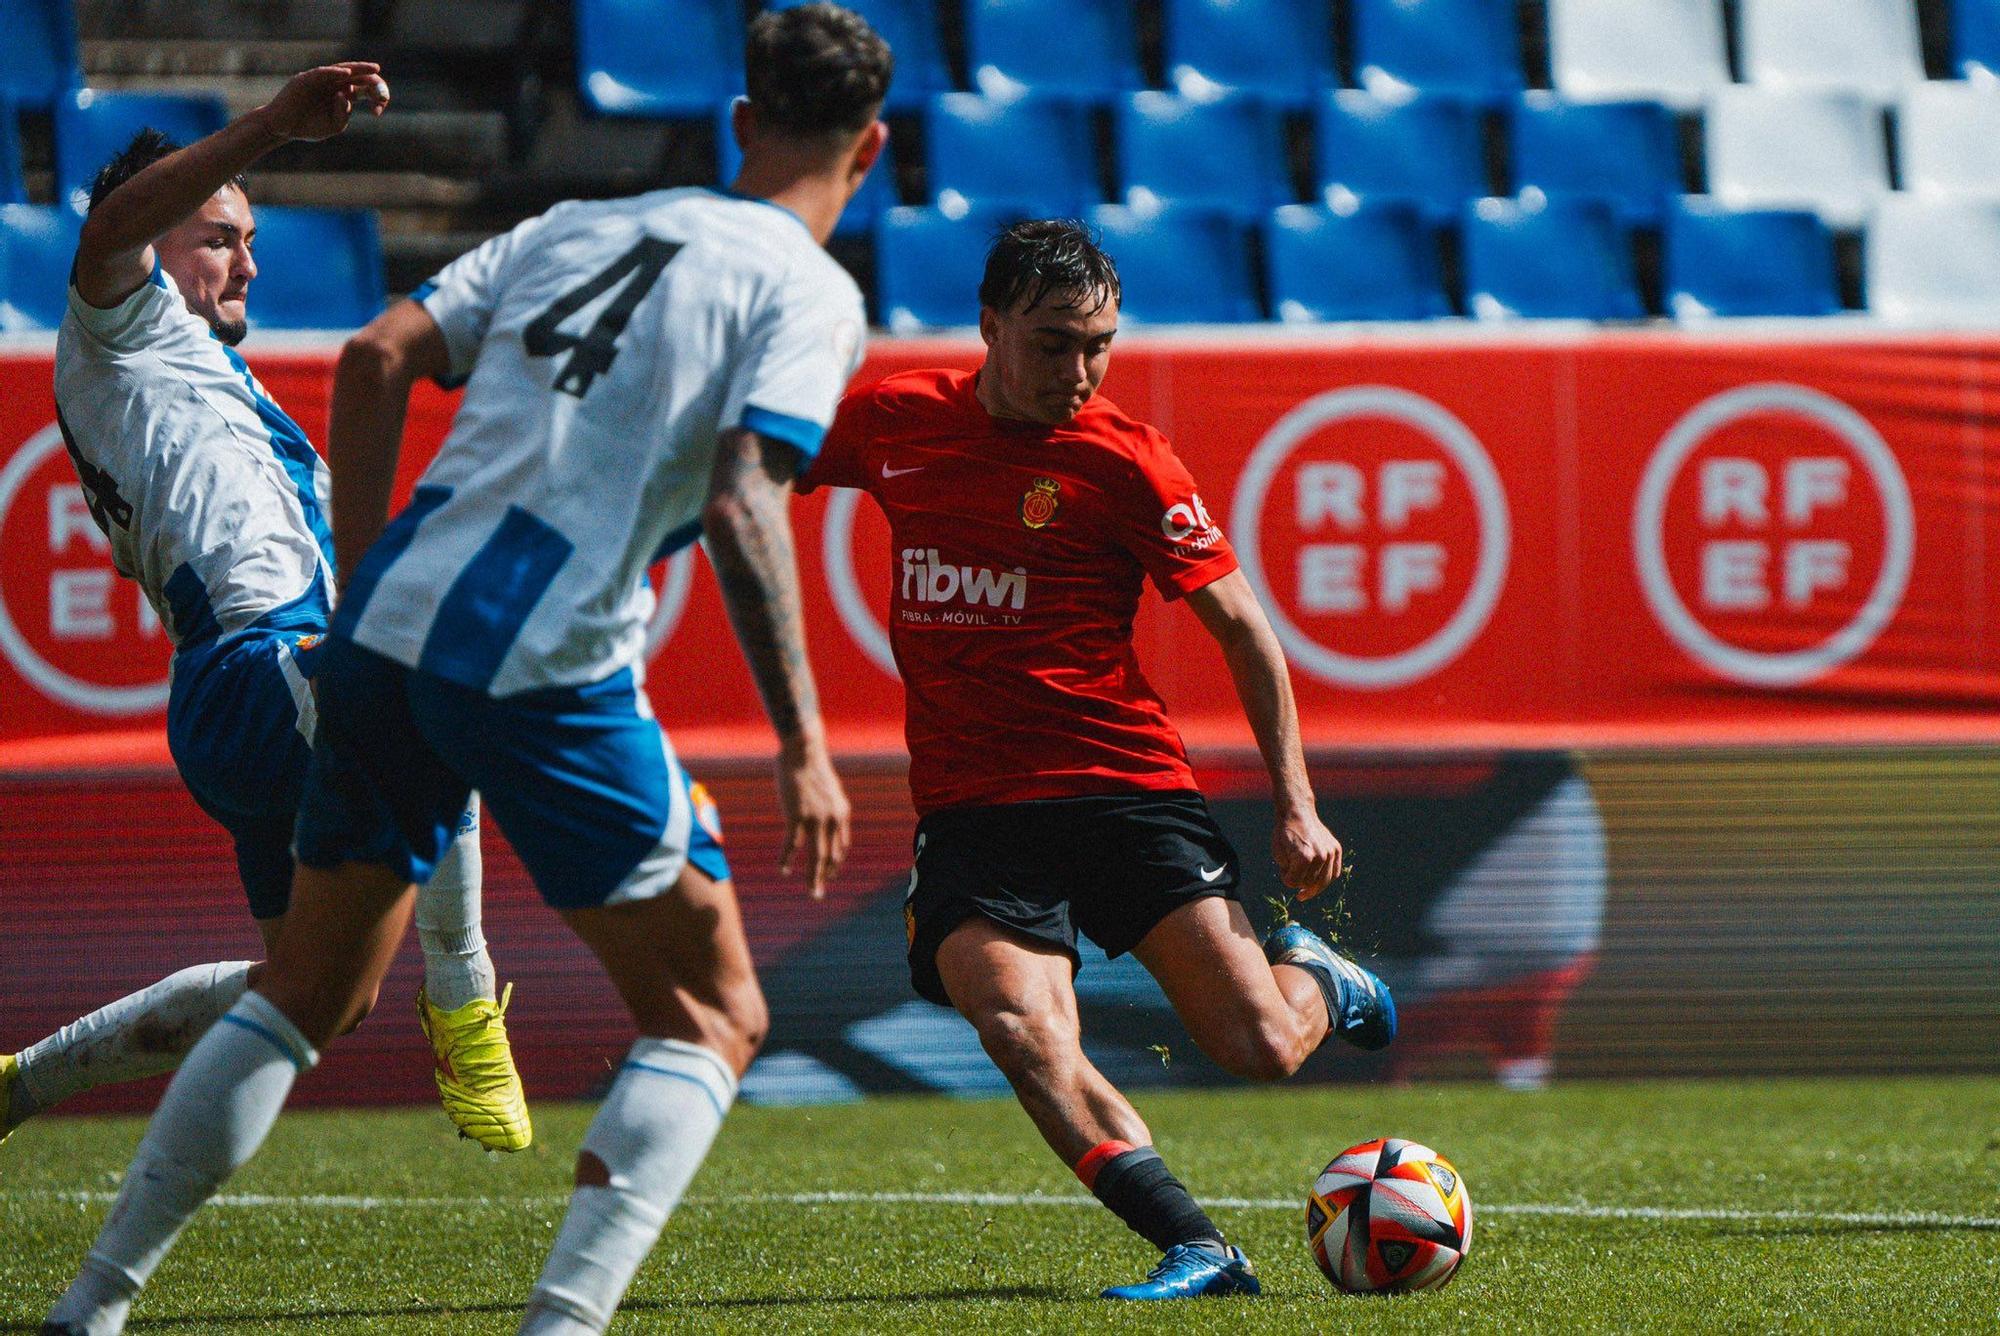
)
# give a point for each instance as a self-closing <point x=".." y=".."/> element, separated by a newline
<point x="1948" y="137"/>
<point x="1670" y="51"/>
<point x="1797" y="150"/>
<point x="1935" y="261"/>
<point x="1871" y="47"/>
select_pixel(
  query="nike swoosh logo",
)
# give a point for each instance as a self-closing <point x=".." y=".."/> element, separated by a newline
<point x="888" y="472"/>
<point x="1208" y="874"/>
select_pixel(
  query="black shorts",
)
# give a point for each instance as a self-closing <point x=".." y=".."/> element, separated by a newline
<point x="1109" y="866"/>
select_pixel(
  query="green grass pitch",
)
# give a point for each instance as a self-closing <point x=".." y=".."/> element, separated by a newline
<point x="1862" y="1205"/>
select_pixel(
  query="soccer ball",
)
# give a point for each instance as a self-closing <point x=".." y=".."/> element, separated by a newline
<point x="1388" y="1215"/>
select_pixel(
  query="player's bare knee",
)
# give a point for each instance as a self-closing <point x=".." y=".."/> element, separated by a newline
<point x="358" y="1009"/>
<point x="1258" y="1051"/>
<point x="1027" y="1047"/>
<point x="748" y="1019"/>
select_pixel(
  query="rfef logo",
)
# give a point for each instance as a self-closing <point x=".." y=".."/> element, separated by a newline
<point x="1773" y="534"/>
<point x="1375" y="529"/>
<point x="83" y="635"/>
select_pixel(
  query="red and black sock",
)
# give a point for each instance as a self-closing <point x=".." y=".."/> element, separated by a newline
<point x="1140" y="1190"/>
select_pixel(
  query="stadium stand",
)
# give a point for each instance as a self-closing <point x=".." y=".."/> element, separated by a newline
<point x="658" y="57"/>
<point x="1179" y="266"/>
<point x="38" y="54"/>
<point x="1935" y="261"/>
<point x="1721" y="262"/>
<point x="1428" y="152"/>
<point x="1672" y="51"/>
<point x="1280" y="50"/>
<point x="37" y="242"/>
<point x="316" y="269"/>
<point x="1948" y="138"/>
<point x="877" y="193"/>
<point x="910" y="27"/>
<point x="1466" y="48"/>
<point x="1975" y="38"/>
<point x="1083" y="50"/>
<point x="1370" y="262"/>
<point x="1538" y="259"/>
<point x="1797" y="149"/>
<point x="91" y="126"/>
<point x="1226" y="153"/>
<point x="1029" y="153"/>
<point x="13" y="189"/>
<point x="1868" y="47"/>
<point x="1627" y="153"/>
<point x="930" y="266"/>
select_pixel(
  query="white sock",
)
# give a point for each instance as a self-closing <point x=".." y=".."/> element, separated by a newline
<point x="143" y="1034"/>
<point x="216" y="1112"/>
<point x="457" y="969"/>
<point x="651" y="1134"/>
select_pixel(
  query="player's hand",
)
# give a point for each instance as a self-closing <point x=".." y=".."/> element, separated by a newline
<point x="818" y="819"/>
<point x="1307" y="854"/>
<point x="317" y="103"/>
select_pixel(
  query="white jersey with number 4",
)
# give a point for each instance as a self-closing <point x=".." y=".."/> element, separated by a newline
<point x="606" y="344"/>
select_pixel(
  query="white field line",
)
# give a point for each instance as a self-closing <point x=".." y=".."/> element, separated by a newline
<point x="1564" y="1210"/>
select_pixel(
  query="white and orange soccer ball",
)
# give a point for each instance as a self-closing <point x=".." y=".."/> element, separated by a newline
<point x="1388" y="1215"/>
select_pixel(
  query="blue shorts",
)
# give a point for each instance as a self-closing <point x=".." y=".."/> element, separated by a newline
<point x="581" y="778"/>
<point x="239" y="725"/>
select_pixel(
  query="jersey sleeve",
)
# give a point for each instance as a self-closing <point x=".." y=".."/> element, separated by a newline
<point x="1162" y="521"/>
<point x="803" y="346"/>
<point x="463" y="295"/>
<point x="842" y="458"/>
<point x="152" y="311"/>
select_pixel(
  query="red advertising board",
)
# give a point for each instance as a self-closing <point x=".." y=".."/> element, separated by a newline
<point x="1464" y="540"/>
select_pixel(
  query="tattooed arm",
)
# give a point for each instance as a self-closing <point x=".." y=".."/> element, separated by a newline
<point x="748" y="525"/>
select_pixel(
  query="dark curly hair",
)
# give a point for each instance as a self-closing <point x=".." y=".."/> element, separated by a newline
<point x="1047" y="258"/>
<point x="147" y="147"/>
<point x="816" y="70"/>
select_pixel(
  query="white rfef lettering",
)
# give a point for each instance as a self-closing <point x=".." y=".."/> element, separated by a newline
<point x="926" y="579"/>
<point x="1732" y="576"/>
<point x="1737" y="488"/>
<point x="69" y="517"/>
<point x="1406" y="486"/>
<point x="1330" y="578"/>
<point x="80" y="605"/>
<point x="1814" y="566"/>
<point x="1410" y="568"/>
<point x="1330" y="492"/>
<point x="1812" y="484"/>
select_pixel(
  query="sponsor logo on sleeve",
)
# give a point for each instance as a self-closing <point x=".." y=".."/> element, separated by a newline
<point x="1188" y="527"/>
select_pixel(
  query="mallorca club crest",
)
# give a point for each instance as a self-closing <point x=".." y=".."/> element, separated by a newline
<point x="1038" y="503"/>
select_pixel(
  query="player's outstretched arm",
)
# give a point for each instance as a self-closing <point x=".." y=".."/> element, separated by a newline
<point x="371" y="397"/>
<point x="1307" y="854"/>
<point x="115" y="254"/>
<point x="748" y="525"/>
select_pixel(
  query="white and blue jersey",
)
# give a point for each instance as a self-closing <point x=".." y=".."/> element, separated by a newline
<point x="215" y="503"/>
<point x="605" y="346"/>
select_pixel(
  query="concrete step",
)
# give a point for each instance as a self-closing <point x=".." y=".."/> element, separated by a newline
<point x="460" y="143"/>
<point x="128" y="58"/>
<point x="420" y="192"/>
<point x="288" y="20"/>
<point x="408" y="258"/>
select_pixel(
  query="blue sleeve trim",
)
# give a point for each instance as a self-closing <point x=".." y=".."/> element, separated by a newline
<point x="157" y="278"/>
<point x="424" y="289"/>
<point x="802" y="434"/>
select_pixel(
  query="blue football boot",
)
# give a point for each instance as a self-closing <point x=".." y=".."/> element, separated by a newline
<point x="1359" y="1004"/>
<point x="1194" y="1271"/>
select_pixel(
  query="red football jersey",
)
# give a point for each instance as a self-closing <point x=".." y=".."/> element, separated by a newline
<point x="1020" y="554"/>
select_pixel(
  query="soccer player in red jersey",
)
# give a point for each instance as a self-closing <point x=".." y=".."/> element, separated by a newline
<point x="1054" y="796"/>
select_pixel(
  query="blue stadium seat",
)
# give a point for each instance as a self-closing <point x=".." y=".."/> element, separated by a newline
<point x="12" y="189"/>
<point x="316" y="269"/>
<point x="1033" y="154"/>
<point x="1427" y="152"/>
<point x="928" y="264"/>
<point x="878" y="189"/>
<point x="1227" y="153"/>
<point x="910" y="27"/>
<point x="1083" y="50"/>
<point x="1372" y="262"/>
<point x="38" y="51"/>
<point x="1548" y="259"/>
<point x="37" y="247"/>
<point x="92" y="127"/>
<point x="1281" y="50"/>
<point x="1975" y="49"/>
<point x="658" y="57"/>
<point x="1466" y="48"/>
<point x="1179" y="266"/>
<point x="1757" y="263"/>
<point x="1626" y="153"/>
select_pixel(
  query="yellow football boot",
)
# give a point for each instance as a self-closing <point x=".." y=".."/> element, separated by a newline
<point x="10" y="1072"/>
<point x="475" y="1071"/>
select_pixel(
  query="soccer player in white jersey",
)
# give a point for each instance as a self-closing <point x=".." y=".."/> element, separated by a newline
<point x="215" y="502"/>
<point x="639" y="371"/>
